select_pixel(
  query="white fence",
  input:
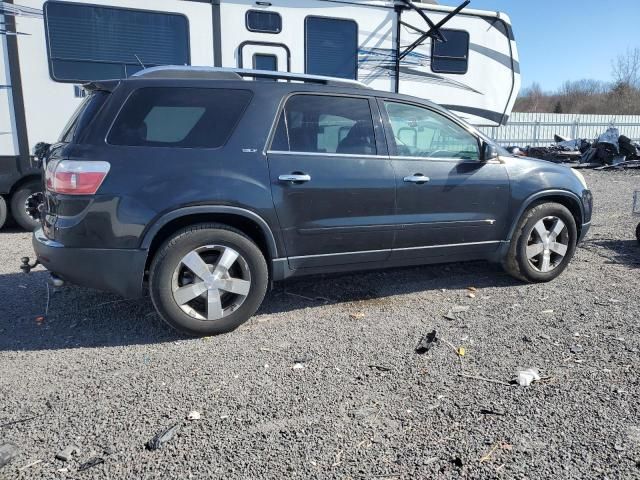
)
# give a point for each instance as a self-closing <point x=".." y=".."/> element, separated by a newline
<point x="537" y="129"/>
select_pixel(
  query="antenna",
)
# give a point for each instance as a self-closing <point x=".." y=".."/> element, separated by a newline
<point x="139" y="61"/>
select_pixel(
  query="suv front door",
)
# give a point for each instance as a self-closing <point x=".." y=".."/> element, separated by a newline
<point x="332" y="181"/>
<point x="449" y="201"/>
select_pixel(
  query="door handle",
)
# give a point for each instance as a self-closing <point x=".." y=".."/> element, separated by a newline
<point x="295" y="177"/>
<point x="417" y="178"/>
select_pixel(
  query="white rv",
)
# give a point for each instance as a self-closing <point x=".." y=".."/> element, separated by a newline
<point x="463" y="59"/>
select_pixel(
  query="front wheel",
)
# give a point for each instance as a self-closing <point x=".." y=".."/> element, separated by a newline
<point x="543" y="244"/>
<point x="208" y="279"/>
<point x="3" y="211"/>
<point x="25" y="203"/>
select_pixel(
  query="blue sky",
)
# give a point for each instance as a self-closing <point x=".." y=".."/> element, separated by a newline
<point x="562" y="40"/>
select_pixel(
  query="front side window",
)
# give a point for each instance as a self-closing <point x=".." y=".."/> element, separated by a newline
<point x="420" y="132"/>
<point x="326" y="124"/>
<point x="179" y="117"/>
<point x="88" y="42"/>
<point x="331" y="47"/>
<point x="451" y="56"/>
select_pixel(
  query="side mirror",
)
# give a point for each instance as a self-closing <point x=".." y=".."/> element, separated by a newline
<point x="489" y="152"/>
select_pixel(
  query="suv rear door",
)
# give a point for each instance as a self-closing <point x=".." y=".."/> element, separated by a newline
<point x="449" y="201"/>
<point x="332" y="181"/>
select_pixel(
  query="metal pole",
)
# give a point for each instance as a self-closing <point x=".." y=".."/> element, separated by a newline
<point x="397" y="56"/>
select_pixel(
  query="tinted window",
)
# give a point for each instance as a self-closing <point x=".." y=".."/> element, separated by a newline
<point x="87" y="42"/>
<point x="451" y="56"/>
<point x="265" y="22"/>
<point x="83" y="115"/>
<point x="179" y="117"/>
<point x="324" y="124"/>
<point x="331" y="47"/>
<point x="420" y="132"/>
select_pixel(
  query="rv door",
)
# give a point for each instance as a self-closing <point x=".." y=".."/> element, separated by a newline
<point x="264" y="56"/>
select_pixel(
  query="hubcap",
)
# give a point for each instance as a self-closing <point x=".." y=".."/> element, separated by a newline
<point x="32" y="204"/>
<point x="548" y="244"/>
<point x="211" y="282"/>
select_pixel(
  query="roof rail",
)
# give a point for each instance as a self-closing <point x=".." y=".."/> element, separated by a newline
<point x="218" y="73"/>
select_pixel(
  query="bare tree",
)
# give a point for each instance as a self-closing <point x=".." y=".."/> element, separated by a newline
<point x="626" y="68"/>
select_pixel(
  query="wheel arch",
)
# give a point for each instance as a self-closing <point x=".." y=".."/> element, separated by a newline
<point x="246" y="221"/>
<point x="22" y="181"/>
<point x="563" y="197"/>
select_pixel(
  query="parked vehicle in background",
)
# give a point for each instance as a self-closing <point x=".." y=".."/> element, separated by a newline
<point x="464" y="59"/>
<point x="256" y="181"/>
<point x="636" y="211"/>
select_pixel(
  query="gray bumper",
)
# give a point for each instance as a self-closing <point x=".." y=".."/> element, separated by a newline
<point x="115" y="270"/>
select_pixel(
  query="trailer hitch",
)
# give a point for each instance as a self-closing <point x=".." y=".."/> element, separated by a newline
<point x="26" y="267"/>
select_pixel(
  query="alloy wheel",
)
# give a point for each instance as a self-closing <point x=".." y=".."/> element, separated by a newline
<point x="211" y="282"/>
<point x="548" y="244"/>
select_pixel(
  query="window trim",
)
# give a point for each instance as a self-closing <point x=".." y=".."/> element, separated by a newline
<point x="388" y="130"/>
<point x="247" y="43"/>
<point x="433" y="47"/>
<point x="129" y="94"/>
<point x="268" y="32"/>
<point x="137" y="10"/>
<point x="382" y="153"/>
<point x="306" y="42"/>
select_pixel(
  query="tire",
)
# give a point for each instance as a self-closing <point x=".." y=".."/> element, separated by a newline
<point x="24" y="203"/>
<point x="189" y="314"/>
<point x="3" y="212"/>
<point x="638" y="232"/>
<point x="525" y="259"/>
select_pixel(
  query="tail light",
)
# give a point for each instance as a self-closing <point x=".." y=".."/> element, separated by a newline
<point x="74" y="177"/>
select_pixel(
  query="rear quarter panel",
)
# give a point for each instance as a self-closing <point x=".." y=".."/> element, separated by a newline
<point x="145" y="183"/>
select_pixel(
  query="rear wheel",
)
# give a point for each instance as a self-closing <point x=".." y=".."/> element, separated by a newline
<point x="208" y="279"/>
<point x="3" y="212"/>
<point x="543" y="243"/>
<point x="25" y="203"/>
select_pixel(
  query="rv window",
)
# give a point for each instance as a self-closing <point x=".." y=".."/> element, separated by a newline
<point x="451" y="56"/>
<point x="263" y="22"/>
<point x="199" y="117"/>
<point x="420" y="132"/>
<point x="88" y="42"/>
<point x="325" y="124"/>
<point x="262" y="61"/>
<point x="331" y="47"/>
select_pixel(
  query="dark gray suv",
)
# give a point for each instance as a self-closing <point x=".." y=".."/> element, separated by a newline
<point x="209" y="184"/>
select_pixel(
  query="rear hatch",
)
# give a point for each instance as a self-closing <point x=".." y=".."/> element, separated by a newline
<point x="58" y="200"/>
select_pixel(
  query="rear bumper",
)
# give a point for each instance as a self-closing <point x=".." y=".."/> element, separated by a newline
<point x="119" y="271"/>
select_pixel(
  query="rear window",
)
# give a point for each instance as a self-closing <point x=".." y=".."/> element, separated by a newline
<point x="179" y="117"/>
<point x="83" y="116"/>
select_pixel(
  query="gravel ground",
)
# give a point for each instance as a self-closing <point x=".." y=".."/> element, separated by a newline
<point x="105" y="375"/>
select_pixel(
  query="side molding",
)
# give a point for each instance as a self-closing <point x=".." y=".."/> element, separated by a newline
<point x="200" y="209"/>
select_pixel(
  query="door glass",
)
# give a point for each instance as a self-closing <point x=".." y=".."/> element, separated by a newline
<point x="325" y="124"/>
<point x="420" y="132"/>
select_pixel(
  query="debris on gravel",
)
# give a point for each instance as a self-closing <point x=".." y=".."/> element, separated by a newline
<point x="426" y="342"/>
<point x="8" y="451"/>
<point x="67" y="453"/>
<point x="160" y="439"/>
<point x="527" y="377"/>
